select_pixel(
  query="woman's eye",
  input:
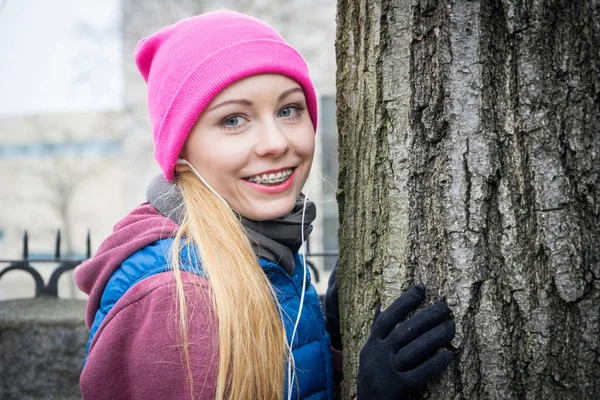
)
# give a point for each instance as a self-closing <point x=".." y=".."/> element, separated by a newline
<point x="233" y="122"/>
<point x="290" y="112"/>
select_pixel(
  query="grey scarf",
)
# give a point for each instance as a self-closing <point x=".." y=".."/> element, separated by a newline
<point x="276" y="240"/>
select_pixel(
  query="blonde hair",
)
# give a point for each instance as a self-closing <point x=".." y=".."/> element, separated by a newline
<point x="252" y="343"/>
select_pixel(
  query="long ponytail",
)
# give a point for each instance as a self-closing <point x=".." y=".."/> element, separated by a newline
<point x="252" y="343"/>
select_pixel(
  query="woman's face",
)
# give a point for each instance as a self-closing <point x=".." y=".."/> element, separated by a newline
<point x="254" y="144"/>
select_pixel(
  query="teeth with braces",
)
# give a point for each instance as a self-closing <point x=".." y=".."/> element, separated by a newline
<point x="271" y="179"/>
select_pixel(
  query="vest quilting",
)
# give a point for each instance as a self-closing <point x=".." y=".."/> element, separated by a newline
<point x="311" y="346"/>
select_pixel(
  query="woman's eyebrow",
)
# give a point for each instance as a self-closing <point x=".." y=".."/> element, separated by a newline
<point x="243" y="102"/>
<point x="290" y="91"/>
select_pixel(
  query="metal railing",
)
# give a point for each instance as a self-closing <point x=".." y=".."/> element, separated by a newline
<point x="315" y="272"/>
<point x="64" y="265"/>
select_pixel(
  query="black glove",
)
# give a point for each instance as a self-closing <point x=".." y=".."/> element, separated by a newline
<point x="332" y="311"/>
<point x="397" y="358"/>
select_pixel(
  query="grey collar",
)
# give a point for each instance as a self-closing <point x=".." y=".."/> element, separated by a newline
<point x="276" y="240"/>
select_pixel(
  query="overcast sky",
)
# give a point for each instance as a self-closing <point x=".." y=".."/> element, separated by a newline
<point x="60" y="56"/>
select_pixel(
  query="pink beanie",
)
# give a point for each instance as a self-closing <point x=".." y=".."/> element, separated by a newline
<point x="188" y="63"/>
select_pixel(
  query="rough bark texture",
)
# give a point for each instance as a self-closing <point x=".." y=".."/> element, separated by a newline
<point x="470" y="161"/>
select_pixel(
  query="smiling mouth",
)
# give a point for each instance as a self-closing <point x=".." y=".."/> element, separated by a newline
<point x="271" y="179"/>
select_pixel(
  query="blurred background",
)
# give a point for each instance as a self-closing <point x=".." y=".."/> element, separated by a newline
<point x="75" y="139"/>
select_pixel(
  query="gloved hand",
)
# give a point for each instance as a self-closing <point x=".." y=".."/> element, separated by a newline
<point x="397" y="358"/>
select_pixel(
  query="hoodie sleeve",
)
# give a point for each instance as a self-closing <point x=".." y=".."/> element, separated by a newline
<point x="137" y="352"/>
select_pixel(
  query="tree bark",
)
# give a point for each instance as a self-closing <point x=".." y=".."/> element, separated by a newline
<point x="470" y="161"/>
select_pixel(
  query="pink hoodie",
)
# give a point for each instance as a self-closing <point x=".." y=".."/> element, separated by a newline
<point x="136" y="352"/>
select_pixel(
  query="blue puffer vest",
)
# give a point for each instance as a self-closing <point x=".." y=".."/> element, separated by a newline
<point x="311" y="347"/>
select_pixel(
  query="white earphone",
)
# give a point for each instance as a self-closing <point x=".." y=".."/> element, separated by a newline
<point x="182" y="161"/>
<point x="291" y="373"/>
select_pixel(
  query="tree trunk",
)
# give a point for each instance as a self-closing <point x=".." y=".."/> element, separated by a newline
<point x="470" y="161"/>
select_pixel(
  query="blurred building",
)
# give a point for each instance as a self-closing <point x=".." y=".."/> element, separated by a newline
<point x="76" y="149"/>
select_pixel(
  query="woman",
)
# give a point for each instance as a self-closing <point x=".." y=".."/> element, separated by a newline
<point x="201" y="292"/>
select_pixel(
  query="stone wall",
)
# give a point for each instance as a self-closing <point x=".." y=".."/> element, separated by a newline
<point x="42" y="348"/>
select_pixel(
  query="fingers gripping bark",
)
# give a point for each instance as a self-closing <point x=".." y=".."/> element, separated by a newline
<point x="401" y="354"/>
<point x="397" y="311"/>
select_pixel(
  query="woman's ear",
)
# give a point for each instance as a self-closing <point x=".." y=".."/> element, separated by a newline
<point x="182" y="165"/>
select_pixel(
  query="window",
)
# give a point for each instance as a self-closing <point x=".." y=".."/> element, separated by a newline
<point x="329" y="162"/>
<point x="104" y="148"/>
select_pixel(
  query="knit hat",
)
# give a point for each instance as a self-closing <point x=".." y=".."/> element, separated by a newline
<point x="188" y="63"/>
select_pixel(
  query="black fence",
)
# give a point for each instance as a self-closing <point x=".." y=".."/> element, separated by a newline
<point x="63" y="265"/>
<point x="67" y="264"/>
<point x="314" y="271"/>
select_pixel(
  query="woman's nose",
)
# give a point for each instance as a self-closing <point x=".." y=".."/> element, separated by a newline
<point x="272" y="140"/>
